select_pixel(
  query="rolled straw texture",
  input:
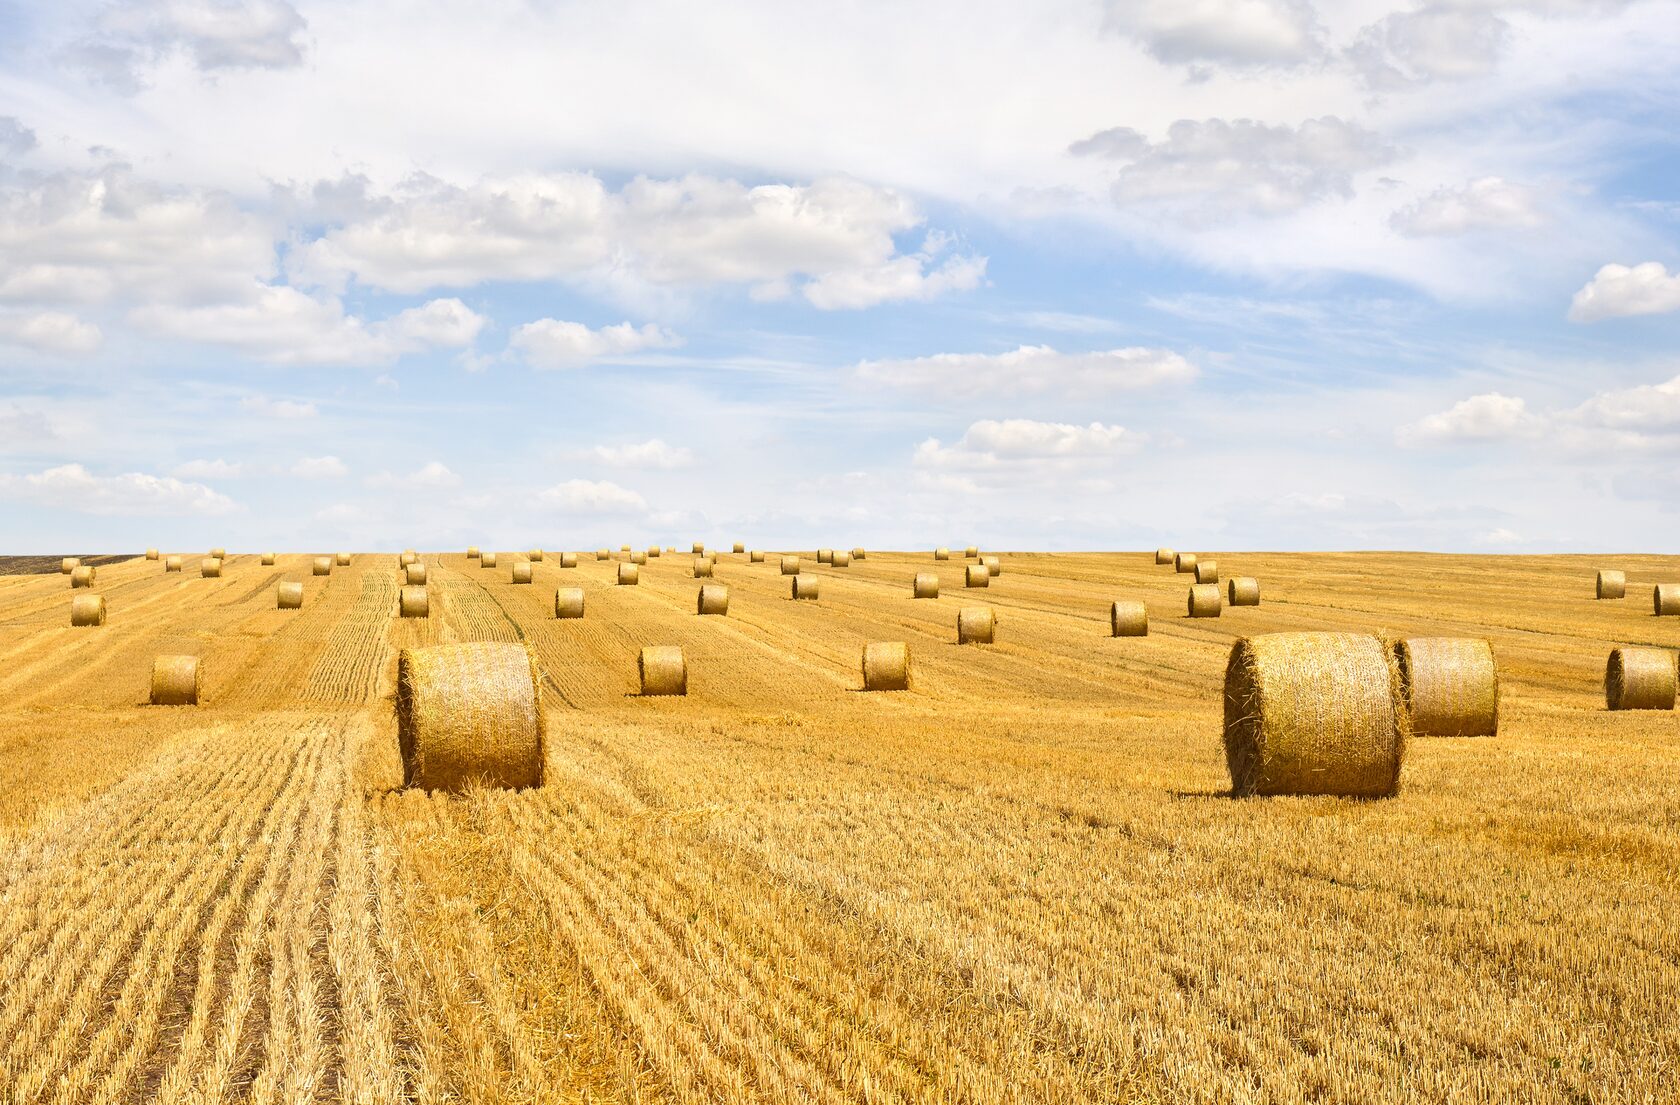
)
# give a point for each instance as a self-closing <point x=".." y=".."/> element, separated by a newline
<point x="790" y="565"/>
<point x="487" y="560"/>
<point x="472" y="552"/>
<point x="603" y="554"/>
<point x="1164" y="555"/>
<point x="698" y="548"/>
<point x="568" y="560"/>
<point x="87" y="610"/>
<point x="413" y="603"/>
<point x="942" y="554"/>
<point x="322" y="566"/>
<point x="343" y="560"/>
<point x="407" y="558"/>
<point x="638" y="557"/>
<point x="977" y="575"/>
<point x="1207" y="571"/>
<point x="976" y="625"/>
<point x="702" y="567"/>
<point x="713" y="599"/>
<point x="219" y="554"/>
<point x="886" y="666"/>
<point x="840" y="558"/>
<point x="415" y="574"/>
<point x="1665" y="599"/>
<point x="1184" y="562"/>
<point x="653" y="550"/>
<point x="69" y="564"/>
<point x="756" y="556"/>
<point x="82" y="576"/>
<point x="210" y="567"/>
<point x="993" y="565"/>
<point x="1451" y="684"/>
<point x="1243" y="591"/>
<point x="288" y="595"/>
<point x="175" y="681"/>
<point x="825" y="556"/>
<point x="804" y="587"/>
<point x="663" y="670"/>
<point x="1205" y="600"/>
<point x="1639" y="679"/>
<point x="926" y="585"/>
<point x="972" y="551"/>
<point x="172" y="564"/>
<point x="268" y="560"/>
<point x="521" y="571"/>
<point x="1128" y="619"/>
<point x="469" y="712"/>
<point x="151" y="554"/>
<point x="628" y="575"/>
<point x="534" y="556"/>
<point x="739" y="547"/>
<point x="860" y="553"/>
<point x="568" y="602"/>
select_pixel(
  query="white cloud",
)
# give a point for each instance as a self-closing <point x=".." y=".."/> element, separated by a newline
<point x="217" y="469"/>
<point x="212" y="34"/>
<point x="653" y="453"/>
<point x="1033" y="369"/>
<point x="1237" y="33"/>
<point x="20" y="425"/>
<point x="1650" y="407"/>
<point x="1208" y="167"/>
<point x="1488" y="202"/>
<point x="593" y="497"/>
<point x="1489" y="417"/>
<point x="990" y="444"/>
<point x="1435" y="42"/>
<point x="320" y="468"/>
<point x="1617" y="291"/>
<point x="551" y="343"/>
<point x="277" y="408"/>
<point x="902" y="279"/>
<point x="71" y="487"/>
<point x="15" y="138"/>
<point x="49" y="332"/>
<point x="433" y="475"/>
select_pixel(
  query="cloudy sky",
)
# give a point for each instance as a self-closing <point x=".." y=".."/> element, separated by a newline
<point x="1070" y="274"/>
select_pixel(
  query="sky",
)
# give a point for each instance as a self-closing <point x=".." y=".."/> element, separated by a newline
<point x="1075" y="274"/>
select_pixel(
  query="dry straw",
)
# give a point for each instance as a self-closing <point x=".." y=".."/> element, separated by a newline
<point x="653" y="550"/>
<point x="663" y="670"/>
<point x="603" y="554"/>
<point x="841" y="559"/>
<point x="1207" y="571"/>
<point x="1164" y="555"/>
<point x="413" y="602"/>
<point x="976" y="625"/>
<point x="804" y="587"/>
<point x="172" y="564"/>
<point x="268" y="560"/>
<point x="87" y="610"/>
<point x="535" y="556"/>
<point x="151" y="554"/>
<point x="972" y="551"/>
<point x="942" y="554"/>
<point x="860" y="553"/>
<point x="1665" y="599"/>
<point x="1314" y="713"/>
<point x="790" y="565"/>
<point x="210" y="567"/>
<point x="289" y="595"/>
<point x="713" y="599"/>
<point x="628" y="575"/>
<point x="702" y="567"/>
<point x="977" y="575"/>
<point x="82" y="576"/>
<point x="1639" y="679"/>
<point x="698" y="549"/>
<point x="568" y="602"/>
<point x="415" y="574"/>
<point x="1611" y="585"/>
<point x="323" y="566"/>
<point x="638" y="557"/>
<point x="1451" y="685"/>
<point x="407" y="558"/>
<point x="926" y="585"/>
<point x="739" y="547"/>
<point x="993" y="565"/>
<point x="343" y="560"/>
<point x="469" y="712"/>
<point x="568" y="560"/>
<point x="1184" y="562"/>
<point x="1128" y="619"/>
<point x="521" y="571"/>
<point x="219" y="554"/>
<point x="886" y="666"/>
<point x="1243" y="591"/>
<point x="175" y="681"/>
<point x="624" y="548"/>
<point x="1205" y="601"/>
<point x="472" y="552"/>
<point x="69" y="564"/>
<point x="487" y="560"/>
<point x="756" y="556"/>
<point x="825" y="556"/>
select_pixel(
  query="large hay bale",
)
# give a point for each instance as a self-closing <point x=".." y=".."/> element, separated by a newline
<point x="972" y="551"/>
<point x="343" y="560"/>
<point x="603" y="554"/>
<point x="568" y="560"/>
<point x="628" y="575"/>
<point x="82" y="576"/>
<point x="703" y="567"/>
<point x="219" y="554"/>
<point x="840" y="558"/>
<point x="469" y="712"/>
<point x="210" y="567"/>
<point x="1128" y="619"/>
<point x="756" y="556"/>
<point x="413" y="602"/>
<point x="151" y="554"/>
<point x="886" y="666"/>
<point x="268" y="560"/>
<point x="926" y="586"/>
<point x="472" y="552"/>
<point x="534" y="556"/>
<point x="69" y="564"/>
<point x="87" y="610"/>
<point x="521" y="571"/>
<point x="663" y="670"/>
<point x="713" y="599"/>
<point x="175" y="681"/>
<point x="993" y="564"/>
<point x="740" y="548"/>
<point x="860" y="553"/>
<point x="977" y="575"/>
<point x="1611" y="585"/>
<point x="1207" y="571"/>
<point x="790" y="565"/>
<point x="1184" y="563"/>
<point x="804" y="587"/>
<point x="1164" y="555"/>
<point x="1314" y="713"/>
<point x="825" y="556"/>
<point x="1205" y="600"/>
<point x="487" y="560"/>
<point x="638" y="557"/>
<point x="415" y="574"/>
<point x="568" y="602"/>
<point x="1451" y="685"/>
<point x="323" y="566"/>
<point x="1665" y="599"/>
<point x="1639" y="679"/>
<point x="942" y="553"/>
<point x="172" y="564"/>
<point x="289" y="595"/>
<point x="1243" y="591"/>
<point x="976" y="625"/>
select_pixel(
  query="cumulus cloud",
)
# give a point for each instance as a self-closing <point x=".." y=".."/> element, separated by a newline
<point x="1647" y="408"/>
<point x="320" y="468"/>
<point x="433" y="475"/>
<point x="1235" y="33"/>
<point x="593" y="497"/>
<point x="49" y="332"/>
<point x="1019" y="447"/>
<point x="15" y="138"/>
<point x="212" y="34"/>
<point x="1208" y="167"/>
<point x="551" y="343"/>
<point x="1435" y="42"/>
<point x="1486" y="203"/>
<point x="1480" y="418"/>
<point x="217" y="469"/>
<point x="1034" y="369"/>
<point x="1616" y="291"/>
<point x="653" y="453"/>
<point x="71" y="487"/>
<point x="277" y="408"/>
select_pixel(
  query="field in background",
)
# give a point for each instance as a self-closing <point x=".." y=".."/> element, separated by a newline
<point x="1019" y="882"/>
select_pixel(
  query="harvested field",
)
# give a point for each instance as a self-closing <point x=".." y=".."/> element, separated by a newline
<point x="1020" y="881"/>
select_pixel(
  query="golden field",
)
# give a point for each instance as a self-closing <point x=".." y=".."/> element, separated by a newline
<point x="1021" y="881"/>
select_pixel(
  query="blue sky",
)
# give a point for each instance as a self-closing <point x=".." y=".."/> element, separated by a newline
<point x="1219" y="274"/>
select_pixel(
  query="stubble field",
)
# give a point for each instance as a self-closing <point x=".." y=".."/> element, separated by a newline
<point x="1022" y="881"/>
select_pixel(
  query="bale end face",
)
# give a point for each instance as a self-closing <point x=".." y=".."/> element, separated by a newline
<point x="1207" y="571"/>
<point x="1184" y="563"/>
<point x="977" y="575"/>
<point x="628" y="575"/>
<point x="886" y="666"/>
<point x="210" y="568"/>
<point x="1451" y="686"/>
<point x="568" y="602"/>
<point x="322" y="566"/>
<point x="289" y="596"/>
<point x="521" y="571"/>
<point x="175" y="681"/>
<point x="82" y="576"/>
<point x="702" y="567"/>
<point x="87" y="610"/>
<point x="713" y="599"/>
<point x="1205" y="600"/>
<point x="1665" y="600"/>
<point x="469" y="713"/>
<point x="1164" y="555"/>
<point x="926" y="585"/>
<point x="976" y="625"/>
<point x="1128" y="619"/>
<point x="1640" y="679"/>
<point x="663" y="670"/>
<point x="804" y="587"/>
<point x="1243" y="591"/>
<point x="413" y="602"/>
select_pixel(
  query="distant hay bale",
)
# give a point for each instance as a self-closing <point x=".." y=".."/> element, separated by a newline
<point x="343" y="560"/>
<point x="1242" y="591"/>
<point x="415" y="574"/>
<point x="1205" y="601"/>
<point x="756" y="556"/>
<point x="993" y="565"/>
<point x="926" y="586"/>
<point x="568" y="602"/>
<point x="82" y="576"/>
<point x="977" y="575"/>
<point x="804" y="587"/>
<point x="568" y="560"/>
<point x="1207" y="571"/>
<point x="406" y="559"/>
<point x="1665" y="599"/>
<point x="740" y="548"/>
<point x="521" y="571"/>
<point x="151" y="554"/>
<point x="289" y="595"/>
<point x="703" y="567"/>
<point x="603" y="554"/>
<point x="469" y="712"/>
<point x="624" y="548"/>
<point x="1639" y="679"/>
<point x="976" y="625"/>
<point x="472" y="552"/>
<point x="69" y="564"/>
<point x="268" y="560"/>
<point x="886" y="666"/>
<point x="1611" y="585"/>
<point x="1128" y="619"/>
<point x="1451" y="686"/>
<point x="663" y="670"/>
<point x="210" y="567"/>
<point x="413" y="602"/>
<point x="323" y="566"/>
<point x="860" y="554"/>
<point x="1184" y="563"/>
<point x="87" y="610"/>
<point x="942" y="553"/>
<point x="172" y="564"/>
<point x="790" y="565"/>
<point x="628" y="574"/>
<point x="699" y="548"/>
<point x="713" y="599"/>
<point x="1164" y="555"/>
<point x="825" y="556"/>
<point x="638" y="557"/>
<point x="653" y="550"/>
<point x="487" y="560"/>
<point x="534" y="556"/>
<point x="1314" y="713"/>
<point x="175" y="681"/>
<point x="219" y="554"/>
<point x="840" y="558"/>
<point x="972" y="551"/>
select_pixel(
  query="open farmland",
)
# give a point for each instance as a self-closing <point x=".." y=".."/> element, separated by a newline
<point x="1021" y="881"/>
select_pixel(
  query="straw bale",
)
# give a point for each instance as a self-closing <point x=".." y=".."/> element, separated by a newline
<point x="487" y="560"/>
<point x="268" y="560"/>
<point x="1243" y="591"/>
<point x="739" y="547"/>
<point x="804" y="587"/>
<point x="415" y="574"/>
<point x="603" y="554"/>
<point x="568" y="560"/>
<point x="175" y="681"/>
<point x="977" y="575"/>
<point x="534" y="556"/>
<point x="343" y="560"/>
<point x="568" y="602"/>
<point x="472" y="552"/>
<point x="69" y="564"/>
<point x="151" y="554"/>
<point x="972" y="551"/>
<point x="926" y="586"/>
<point x="289" y="595"/>
<point x="521" y="571"/>
<point x="703" y="567"/>
<point x="993" y="565"/>
<point x="323" y="566"/>
<point x="219" y="554"/>
<point x="1128" y="619"/>
<point x="825" y="556"/>
<point x="87" y="610"/>
<point x="172" y="564"/>
<point x="413" y="603"/>
<point x="210" y="567"/>
<point x="1207" y="571"/>
<point x="841" y="559"/>
<point x="82" y="576"/>
<point x="1184" y="563"/>
<point x="713" y="599"/>
<point x="1665" y="599"/>
<point x="1451" y="685"/>
<point x="1164" y="555"/>
<point x="860" y="554"/>
<point x="628" y="575"/>
<point x="942" y="553"/>
<point x="663" y="670"/>
<point x="976" y="625"/>
<point x="654" y="550"/>
<point x="1205" y="601"/>
<point x="1639" y="679"/>
<point x="407" y="558"/>
<point x="469" y="712"/>
<point x="1611" y="585"/>
<point x="756" y="556"/>
<point x="638" y="557"/>
<point x="790" y="565"/>
<point x="886" y="666"/>
<point x="699" y="548"/>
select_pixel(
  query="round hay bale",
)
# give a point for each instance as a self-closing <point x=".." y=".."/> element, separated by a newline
<point x="638" y="557"/>
<point x="172" y="564"/>
<point x="663" y="670"/>
<point x="886" y="666"/>
<point x="628" y="575"/>
<point x="942" y="553"/>
<point x="472" y="552"/>
<point x="1665" y="599"/>
<point x="210" y="567"/>
<point x="1184" y="563"/>
<point x="69" y="564"/>
<point x="87" y="610"/>
<point x="825" y="556"/>
<point x="1128" y="619"/>
<point x="1207" y="571"/>
<point x="1639" y="679"/>
<point x="714" y="599"/>
<point x="1611" y="585"/>
<point x="469" y="712"/>
<point x="568" y="560"/>
<point x="603" y="554"/>
<point x="1205" y="601"/>
<point x="860" y="554"/>
<point x="343" y="560"/>
<point x="268" y="560"/>
<point x="413" y="603"/>
<point x="323" y="566"/>
<point x="756" y="556"/>
<point x="976" y="625"/>
<point x="1242" y="591"/>
<point x="840" y="558"/>
<point x="790" y="565"/>
<point x="653" y="550"/>
<point x="1314" y="713"/>
<point x="219" y="554"/>
<point x="521" y="571"/>
<point x="977" y="575"/>
<point x="175" y="681"/>
<point x="415" y="574"/>
<point x="568" y="602"/>
<point x="702" y="567"/>
<point x="82" y="576"/>
<point x="289" y="595"/>
<point x="151" y="554"/>
<point x="1164" y="555"/>
<point x="534" y="556"/>
<point x="406" y="559"/>
<point x="972" y="551"/>
<point x="993" y="565"/>
<point x="487" y="560"/>
<point x="804" y="587"/>
<point x="926" y="586"/>
<point x="624" y="548"/>
<point x="740" y="548"/>
<point x="1451" y="686"/>
<point x="699" y="548"/>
